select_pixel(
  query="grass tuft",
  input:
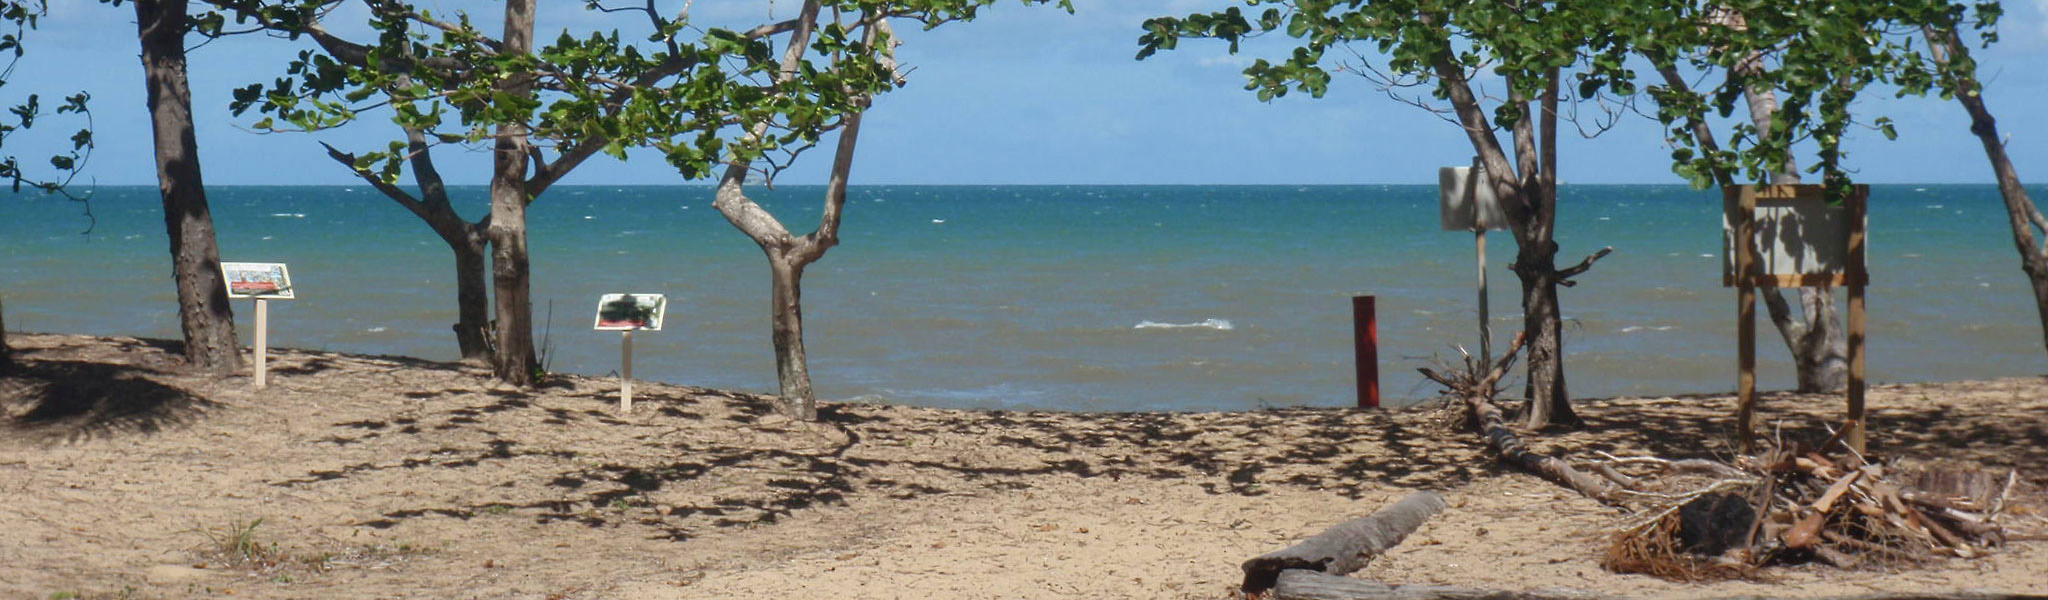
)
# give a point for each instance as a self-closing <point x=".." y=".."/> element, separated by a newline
<point x="237" y="544"/>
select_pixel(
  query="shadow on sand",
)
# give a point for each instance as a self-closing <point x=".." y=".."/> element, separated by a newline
<point x="67" y="401"/>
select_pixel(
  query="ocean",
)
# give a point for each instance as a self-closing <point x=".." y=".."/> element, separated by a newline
<point x="1086" y="298"/>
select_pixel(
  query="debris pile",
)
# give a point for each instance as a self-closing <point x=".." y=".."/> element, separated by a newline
<point x="1702" y="519"/>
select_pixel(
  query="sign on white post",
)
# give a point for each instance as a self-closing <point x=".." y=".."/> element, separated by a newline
<point x="626" y="313"/>
<point x="263" y="282"/>
<point x="1467" y="203"/>
<point x="1466" y="200"/>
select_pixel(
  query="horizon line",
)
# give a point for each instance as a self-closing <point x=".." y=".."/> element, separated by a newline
<point x="858" y="185"/>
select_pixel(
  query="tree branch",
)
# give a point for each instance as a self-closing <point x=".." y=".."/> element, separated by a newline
<point x="404" y="199"/>
<point x="1565" y="276"/>
<point x="732" y="199"/>
<point x="1473" y="120"/>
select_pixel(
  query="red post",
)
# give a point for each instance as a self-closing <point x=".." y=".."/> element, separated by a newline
<point x="1365" y="329"/>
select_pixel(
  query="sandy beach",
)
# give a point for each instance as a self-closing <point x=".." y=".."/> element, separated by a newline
<point x="389" y="477"/>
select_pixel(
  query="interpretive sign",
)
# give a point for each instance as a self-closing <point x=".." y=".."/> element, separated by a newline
<point x="1801" y="240"/>
<point x="627" y="312"/>
<point x="264" y="282"/>
<point x="1466" y="200"/>
<point x="1789" y="236"/>
<point x="258" y="280"/>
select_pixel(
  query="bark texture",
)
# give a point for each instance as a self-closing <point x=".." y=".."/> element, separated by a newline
<point x="514" y="361"/>
<point x="2019" y="208"/>
<point x="205" y="318"/>
<point x="1476" y="387"/>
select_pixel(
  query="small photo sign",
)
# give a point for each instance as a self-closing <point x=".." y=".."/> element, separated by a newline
<point x="270" y="281"/>
<point x="627" y="312"/>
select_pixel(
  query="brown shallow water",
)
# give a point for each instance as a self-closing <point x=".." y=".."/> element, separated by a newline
<point x="390" y="477"/>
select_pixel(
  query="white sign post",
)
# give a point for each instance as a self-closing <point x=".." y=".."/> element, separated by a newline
<point x="264" y="282"/>
<point x="1468" y="203"/>
<point x="626" y="313"/>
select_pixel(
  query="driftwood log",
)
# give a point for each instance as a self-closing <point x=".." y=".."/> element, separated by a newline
<point x="1346" y="547"/>
<point x="1296" y="584"/>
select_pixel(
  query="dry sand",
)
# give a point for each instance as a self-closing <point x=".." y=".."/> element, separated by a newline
<point x="385" y="477"/>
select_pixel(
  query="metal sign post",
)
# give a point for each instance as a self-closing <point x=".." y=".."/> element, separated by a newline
<point x="1467" y="202"/>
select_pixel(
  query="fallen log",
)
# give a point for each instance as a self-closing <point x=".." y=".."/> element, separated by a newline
<point x="1296" y="584"/>
<point x="1503" y="440"/>
<point x="1347" y="546"/>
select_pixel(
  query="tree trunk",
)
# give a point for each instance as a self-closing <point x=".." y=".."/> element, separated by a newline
<point x="514" y="361"/>
<point x="1814" y="337"/>
<point x="472" y="300"/>
<point x="787" y="318"/>
<point x="1819" y="352"/>
<point x="1526" y="192"/>
<point x="2019" y="208"/>
<point x="1536" y="265"/>
<point x="6" y="352"/>
<point x="203" y="312"/>
<point x="1543" y="323"/>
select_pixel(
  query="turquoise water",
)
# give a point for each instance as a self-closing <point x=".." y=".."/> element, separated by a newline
<point x="1061" y="297"/>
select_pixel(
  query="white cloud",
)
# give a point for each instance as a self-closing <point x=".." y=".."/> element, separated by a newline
<point x="1232" y="61"/>
<point x="2040" y="17"/>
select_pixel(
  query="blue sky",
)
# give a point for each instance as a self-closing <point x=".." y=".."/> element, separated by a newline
<point x="1023" y="95"/>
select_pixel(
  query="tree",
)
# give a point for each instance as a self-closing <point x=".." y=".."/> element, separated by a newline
<point x="18" y="17"/>
<point x="1820" y="55"/>
<point x="1957" y="78"/>
<point x="495" y="85"/>
<point x="1814" y="336"/>
<point x="203" y="312"/>
<point x="1445" y="44"/>
<point x="681" y="94"/>
<point x="719" y="102"/>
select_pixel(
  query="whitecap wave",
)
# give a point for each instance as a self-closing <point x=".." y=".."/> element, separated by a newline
<point x="291" y="215"/>
<point x="1636" y="328"/>
<point x="1216" y="324"/>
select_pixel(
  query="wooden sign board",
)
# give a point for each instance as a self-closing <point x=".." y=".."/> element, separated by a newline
<point x="1466" y="200"/>
<point x="629" y="312"/>
<point x="269" y="281"/>
<point x="1801" y="241"/>
<point x="1788" y="236"/>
